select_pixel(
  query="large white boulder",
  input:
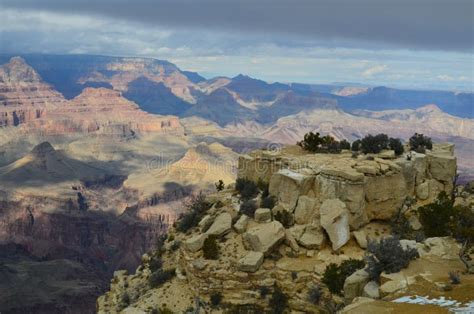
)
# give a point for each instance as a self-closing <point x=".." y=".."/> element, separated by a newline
<point x="354" y="285"/>
<point x="264" y="237"/>
<point x="251" y="262"/>
<point x="312" y="237"/>
<point x="263" y="215"/>
<point x="241" y="225"/>
<point x="335" y="220"/>
<point x="305" y="209"/>
<point x="195" y="243"/>
<point x="288" y="185"/>
<point x="222" y="225"/>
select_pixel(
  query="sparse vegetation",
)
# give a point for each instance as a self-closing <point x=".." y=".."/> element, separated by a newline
<point x="396" y="145"/>
<point x="267" y="202"/>
<point x="315" y="143"/>
<point x="264" y="291"/>
<point x="247" y="188"/>
<point x="219" y="185"/>
<point x="160" y="277"/>
<point x="420" y="143"/>
<point x="436" y="217"/>
<point x="285" y="218"/>
<point x="454" y="278"/>
<point x="165" y="310"/>
<point x="345" y="145"/>
<point x="374" y="144"/>
<point x="248" y="208"/>
<point x="335" y="275"/>
<point x="196" y="207"/>
<point x="125" y="299"/>
<point x="155" y="264"/>
<point x="388" y="256"/>
<point x="279" y="301"/>
<point x="81" y="201"/>
<point x="356" y="145"/>
<point x="315" y="294"/>
<point x="210" y="248"/>
<point x="216" y="299"/>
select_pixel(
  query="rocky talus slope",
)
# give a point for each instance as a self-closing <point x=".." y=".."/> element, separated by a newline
<point x="335" y="205"/>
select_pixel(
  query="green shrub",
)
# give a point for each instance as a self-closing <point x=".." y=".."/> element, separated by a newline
<point x="247" y="188"/>
<point x="374" y="144"/>
<point x="264" y="291"/>
<point x="262" y="186"/>
<point x="335" y="275"/>
<point x="314" y="143"/>
<point x="454" y="277"/>
<point x="219" y="185"/>
<point x="388" y="256"/>
<point x="248" y="208"/>
<point x="155" y="264"/>
<point x="216" y="299"/>
<point x="279" y="301"/>
<point x="419" y="143"/>
<point x="345" y="145"/>
<point x="165" y="310"/>
<point x="285" y="218"/>
<point x="267" y="202"/>
<point x="210" y="248"/>
<point x="356" y="146"/>
<point x="161" y="276"/>
<point x="315" y="294"/>
<point x="437" y="216"/>
<point x="396" y="145"/>
<point x="125" y="299"/>
<point x="196" y="208"/>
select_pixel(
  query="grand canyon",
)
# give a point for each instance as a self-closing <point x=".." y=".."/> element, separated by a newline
<point x="137" y="178"/>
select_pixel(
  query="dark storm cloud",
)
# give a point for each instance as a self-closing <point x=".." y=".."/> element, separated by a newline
<point x="430" y="24"/>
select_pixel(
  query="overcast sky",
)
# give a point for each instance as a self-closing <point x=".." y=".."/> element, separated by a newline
<point x="407" y="43"/>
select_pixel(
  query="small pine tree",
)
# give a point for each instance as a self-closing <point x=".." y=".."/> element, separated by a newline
<point x="220" y="185"/>
<point x="210" y="248"/>
<point x="396" y="145"/>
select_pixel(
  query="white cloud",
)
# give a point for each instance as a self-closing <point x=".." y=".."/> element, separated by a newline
<point x="374" y="70"/>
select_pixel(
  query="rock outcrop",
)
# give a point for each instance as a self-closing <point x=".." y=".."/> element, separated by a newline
<point x="371" y="188"/>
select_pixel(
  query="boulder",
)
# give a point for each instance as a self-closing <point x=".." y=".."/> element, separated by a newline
<point x="442" y="167"/>
<point x="195" y="243"/>
<point x="444" y="247"/>
<point x="205" y="223"/>
<point x="222" y="225"/>
<point x="288" y="185"/>
<point x="384" y="195"/>
<point x="392" y="286"/>
<point x="297" y="231"/>
<point x="263" y="215"/>
<point x="291" y="241"/>
<point x="420" y="165"/>
<point x="251" y="262"/>
<point x="335" y="220"/>
<point x="371" y="290"/>
<point x="423" y="191"/>
<point x="414" y="223"/>
<point x="199" y="264"/>
<point x="264" y="237"/>
<point x="305" y="209"/>
<point x="361" y="238"/>
<point x="312" y="237"/>
<point x="354" y="285"/>
<point x="241" y="225"/>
